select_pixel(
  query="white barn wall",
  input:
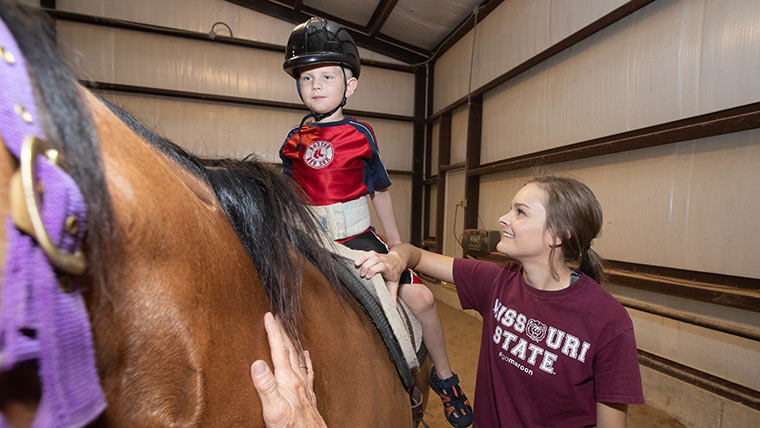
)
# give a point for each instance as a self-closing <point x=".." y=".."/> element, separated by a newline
<point x="698" y="408"/>
<point x="196" y="15"/>
<point x="401" y="194"/>
<point x="191" y="15"/>
<point x="236" y="132"/>
<point x="514" y="32"/>
<point x="668" y="61"/>
<point x="724" y="355"/>
<point x="394" y="139"/>
<point x="660" y="203"/>
<point x="451" y="73"/>
<point x="209" y="128"/>
<point x="454" y="215"/>
<point x="645" y="70"/>
<point x="143" y="59"/>
<point x="459" y="134"/>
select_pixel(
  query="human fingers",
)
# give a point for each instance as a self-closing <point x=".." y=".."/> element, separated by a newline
<point x="310" y="377"/>
<point x="289" y="363"/>
<point x="374" y="264"/>
<point x="274" y="406"/>
<point x="393" y="290"/>
<point x="284" y="356"/>
<point x="369" y="267"/>
<point x="388" y="265"/>
<point x="363" y="259"/>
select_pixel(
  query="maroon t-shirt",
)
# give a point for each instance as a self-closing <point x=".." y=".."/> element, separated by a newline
<point x="546" y="357"/>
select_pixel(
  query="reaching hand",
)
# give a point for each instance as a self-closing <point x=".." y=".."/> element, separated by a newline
<point x="287" y="395"/>
<point x="390" y="266"/>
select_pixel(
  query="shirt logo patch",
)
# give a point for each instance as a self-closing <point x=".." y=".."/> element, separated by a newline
<point x="536" y="330"/>
<point x="319" y="154"/>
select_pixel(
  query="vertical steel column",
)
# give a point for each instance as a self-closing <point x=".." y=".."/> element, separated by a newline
<point x="444" y="157"/>
<point x="472" y="182"/>
<point x="418" y="154"/>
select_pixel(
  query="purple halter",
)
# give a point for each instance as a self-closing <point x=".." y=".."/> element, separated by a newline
<point x="39" y="321"/>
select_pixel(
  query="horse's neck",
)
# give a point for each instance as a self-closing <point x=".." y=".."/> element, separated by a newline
<point x="173" y="338"/>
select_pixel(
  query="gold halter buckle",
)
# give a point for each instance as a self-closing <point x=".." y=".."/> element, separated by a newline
<point x="24" y="189"/>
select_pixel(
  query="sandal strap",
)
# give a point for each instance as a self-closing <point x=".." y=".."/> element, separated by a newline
<point x="456" y="406"/>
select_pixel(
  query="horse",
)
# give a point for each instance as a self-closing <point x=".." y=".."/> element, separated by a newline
<point x="183" y="257"/>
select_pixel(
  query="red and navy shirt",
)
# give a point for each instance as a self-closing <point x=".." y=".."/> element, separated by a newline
<point x="335" y="162"/>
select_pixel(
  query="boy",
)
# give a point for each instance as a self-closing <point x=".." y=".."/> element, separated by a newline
<point x="336" y="162"/>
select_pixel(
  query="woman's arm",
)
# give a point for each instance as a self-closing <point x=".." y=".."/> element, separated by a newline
<point x="404" y="256"/>
<point x="611" y="415"/>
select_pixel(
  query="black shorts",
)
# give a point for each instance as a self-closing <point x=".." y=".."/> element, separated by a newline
<point x="369" y="241"/>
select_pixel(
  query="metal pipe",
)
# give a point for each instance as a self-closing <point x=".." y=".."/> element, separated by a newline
<point x="724" y="327"/>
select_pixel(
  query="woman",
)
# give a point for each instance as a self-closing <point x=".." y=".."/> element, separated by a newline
<point x="556" y="349"/>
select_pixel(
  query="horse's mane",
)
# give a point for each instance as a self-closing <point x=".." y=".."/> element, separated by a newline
<point x="66" y="122"/>
<point x="268" y="215"/>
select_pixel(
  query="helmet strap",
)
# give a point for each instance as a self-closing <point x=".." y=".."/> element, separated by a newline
<point x="319" y="116"/>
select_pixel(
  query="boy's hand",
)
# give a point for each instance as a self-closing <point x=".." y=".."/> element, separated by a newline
<point x="390" y="266"/>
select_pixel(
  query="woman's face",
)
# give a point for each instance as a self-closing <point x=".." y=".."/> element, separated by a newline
<point x="524" y="235"/>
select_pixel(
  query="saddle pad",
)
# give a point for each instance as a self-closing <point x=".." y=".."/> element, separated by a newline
<point x="409" y="342"/>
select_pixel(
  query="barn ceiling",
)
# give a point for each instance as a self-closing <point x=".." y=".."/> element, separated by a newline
<point x="408" y="30"/>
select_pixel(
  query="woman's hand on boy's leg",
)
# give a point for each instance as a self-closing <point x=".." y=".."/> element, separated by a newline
<point x="390" y="266"/>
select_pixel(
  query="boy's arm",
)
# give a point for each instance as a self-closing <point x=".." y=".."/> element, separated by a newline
<point x="384" y="208"/>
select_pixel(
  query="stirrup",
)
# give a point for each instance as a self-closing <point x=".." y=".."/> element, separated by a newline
<point x="456" y="406"/>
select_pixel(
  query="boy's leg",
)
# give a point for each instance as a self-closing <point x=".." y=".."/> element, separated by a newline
<point x="456" y="406"/>
<point x="422" y="303"/>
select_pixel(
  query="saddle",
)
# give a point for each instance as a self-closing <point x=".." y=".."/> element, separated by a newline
<point x="400" y="330"/>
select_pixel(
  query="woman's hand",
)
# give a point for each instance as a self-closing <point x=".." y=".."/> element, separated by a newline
<point x="287" y="395"/>
<point x="390" y="266"/>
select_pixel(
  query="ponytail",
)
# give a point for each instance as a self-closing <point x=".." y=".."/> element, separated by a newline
<point x="591" y="265"/>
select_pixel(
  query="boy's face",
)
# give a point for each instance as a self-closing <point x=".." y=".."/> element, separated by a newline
<point x="322" y="87"/>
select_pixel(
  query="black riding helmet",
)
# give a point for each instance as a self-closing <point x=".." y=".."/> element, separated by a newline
<point x="320" y="42"/>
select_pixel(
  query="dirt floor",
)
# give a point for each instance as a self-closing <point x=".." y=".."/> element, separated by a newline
<point x="463" y="342"/>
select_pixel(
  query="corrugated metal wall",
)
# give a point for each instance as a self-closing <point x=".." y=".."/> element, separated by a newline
<point x="688" y="205"/>
<point x="104" y="54"/>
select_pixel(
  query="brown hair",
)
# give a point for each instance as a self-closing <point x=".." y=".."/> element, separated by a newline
<point x="573" y="215"/>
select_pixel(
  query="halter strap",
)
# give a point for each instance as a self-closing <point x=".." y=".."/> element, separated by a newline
<point x="39" y="321"/>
